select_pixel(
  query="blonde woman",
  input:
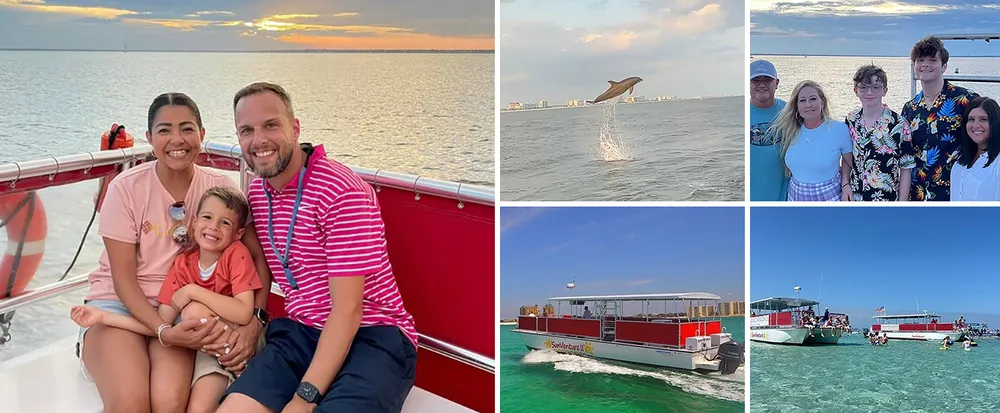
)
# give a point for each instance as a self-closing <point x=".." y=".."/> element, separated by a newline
<point x="816" y="149"/>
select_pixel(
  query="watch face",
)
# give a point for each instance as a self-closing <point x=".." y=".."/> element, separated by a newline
<point x="308" y="392"/>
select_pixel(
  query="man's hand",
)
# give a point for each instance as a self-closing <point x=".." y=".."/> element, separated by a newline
<point x="298" y="405"/>
<point x="242" y="345"/>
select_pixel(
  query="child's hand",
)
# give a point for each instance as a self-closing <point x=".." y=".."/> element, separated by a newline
<point x="182" y="297"/>
<point x="86" y="316"/>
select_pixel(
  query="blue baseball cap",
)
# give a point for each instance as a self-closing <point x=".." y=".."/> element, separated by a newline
<point x="762" y="68"/>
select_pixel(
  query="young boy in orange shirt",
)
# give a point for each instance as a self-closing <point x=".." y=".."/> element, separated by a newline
<point x="215" y="277"/>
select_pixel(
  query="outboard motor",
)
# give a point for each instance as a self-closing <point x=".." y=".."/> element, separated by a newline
<point x="731" y="353"/>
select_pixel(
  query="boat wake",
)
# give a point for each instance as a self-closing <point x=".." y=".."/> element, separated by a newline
<point x="611" y="145"/>
<point x="720" y="387"/>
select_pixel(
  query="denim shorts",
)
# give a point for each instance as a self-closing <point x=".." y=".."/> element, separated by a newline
<point x="111" y="306"/>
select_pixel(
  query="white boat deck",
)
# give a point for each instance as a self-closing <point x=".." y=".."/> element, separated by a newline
<point x="49" y="380"/>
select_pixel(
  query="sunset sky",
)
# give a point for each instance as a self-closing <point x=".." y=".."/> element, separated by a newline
<point x="867" y="27"/>
<point x="246" y="24"/>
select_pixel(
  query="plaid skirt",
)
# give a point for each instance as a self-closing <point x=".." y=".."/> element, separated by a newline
<point x="828" y="190"/>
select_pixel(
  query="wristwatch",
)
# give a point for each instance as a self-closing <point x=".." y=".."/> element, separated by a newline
<point x="308" y="392"/>
<point x="261" y="315"/>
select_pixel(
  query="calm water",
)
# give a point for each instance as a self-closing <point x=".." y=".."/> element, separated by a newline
<point x="835" y="75"/>
<point x="430" y="115"/>
<point x="568" y="383"/>
<point x="853" y="376"/>
<point x="688" y="150"/>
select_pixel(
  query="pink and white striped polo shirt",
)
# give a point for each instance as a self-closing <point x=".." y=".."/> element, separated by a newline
<point x="338" y="232"/>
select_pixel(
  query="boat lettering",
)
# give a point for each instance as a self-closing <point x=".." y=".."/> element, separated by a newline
<point x="759" y="335"/>
<point x="582" y="348"/>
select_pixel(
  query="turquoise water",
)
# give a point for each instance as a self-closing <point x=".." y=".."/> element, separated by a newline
<point x="545" y="381"/>
<point x="853" y="376"/>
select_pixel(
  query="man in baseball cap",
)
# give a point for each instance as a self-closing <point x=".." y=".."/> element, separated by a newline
<point x="767" y="169"/>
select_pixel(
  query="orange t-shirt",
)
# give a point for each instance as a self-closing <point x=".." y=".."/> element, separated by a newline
<point x="234" y="273"/>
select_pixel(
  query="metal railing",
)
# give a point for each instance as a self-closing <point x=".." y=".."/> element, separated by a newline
<point x="12" y="172"/>
<point x="959" y="77"/>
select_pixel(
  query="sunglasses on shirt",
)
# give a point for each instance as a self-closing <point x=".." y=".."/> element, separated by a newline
<point x="177" y="213"/>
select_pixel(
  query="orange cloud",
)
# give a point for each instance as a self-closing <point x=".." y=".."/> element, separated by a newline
<point x="395" y="41"/>
<point x="84" y="11"/>
<point x="183" y="24"/>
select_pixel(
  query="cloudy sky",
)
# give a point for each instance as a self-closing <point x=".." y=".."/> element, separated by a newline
<point x="867" y="27"/>
<point x="247" y="24"/>
<point x="565" y="49"/>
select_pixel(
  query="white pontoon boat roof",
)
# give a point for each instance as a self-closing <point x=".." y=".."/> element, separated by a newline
<point x="781" y="303"/>
<point x="641" y="297"/>
<point x="924" y="315"/>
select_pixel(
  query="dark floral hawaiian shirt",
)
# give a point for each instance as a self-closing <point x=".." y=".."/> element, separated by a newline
<point x="935" y="134"/>
<point x="881" y="151"/>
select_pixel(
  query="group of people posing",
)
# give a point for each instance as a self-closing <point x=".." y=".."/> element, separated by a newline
<point x="175" y="319"/>
<point x="937" y="148"/>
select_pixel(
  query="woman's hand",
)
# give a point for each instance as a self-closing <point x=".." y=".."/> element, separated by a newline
<point x="193" y="334"/>
<point x="847" y="194"/>
<point x="242" y="345"/>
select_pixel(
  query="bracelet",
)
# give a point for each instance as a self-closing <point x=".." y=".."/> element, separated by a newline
<point x="845" y="184"/>
<point x="159" y="333"/>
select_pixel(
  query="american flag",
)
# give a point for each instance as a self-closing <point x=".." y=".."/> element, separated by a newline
<point x="880" y="309"/>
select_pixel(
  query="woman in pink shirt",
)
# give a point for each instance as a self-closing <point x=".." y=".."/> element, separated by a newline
<point x="144" y="225"/>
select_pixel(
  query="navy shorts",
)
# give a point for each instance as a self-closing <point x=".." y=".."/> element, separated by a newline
<point x="376" y="376"/>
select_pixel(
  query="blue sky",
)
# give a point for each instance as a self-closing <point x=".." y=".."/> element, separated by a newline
<point x="875" y="256"/>
<point x="247" y="24"/>
<point x="559" y="50"/>
<point x="619" y="250"/>
<point x="867" y="27"/>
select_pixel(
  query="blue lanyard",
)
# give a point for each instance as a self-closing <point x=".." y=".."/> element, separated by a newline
<point x="291" y="227"/>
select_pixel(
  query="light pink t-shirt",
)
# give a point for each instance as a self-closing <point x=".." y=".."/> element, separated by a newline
<point x="136" y="210"/>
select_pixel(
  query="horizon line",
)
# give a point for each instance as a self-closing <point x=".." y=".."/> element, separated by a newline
<point x="32" y="49"/>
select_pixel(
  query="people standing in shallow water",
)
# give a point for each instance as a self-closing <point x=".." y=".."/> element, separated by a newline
<point x="976" y="174"/>
<point x="883" y="149"/>
<point x="817" y="151"/>
<point x="768" y="181"/>
<point x="935" y="117"/>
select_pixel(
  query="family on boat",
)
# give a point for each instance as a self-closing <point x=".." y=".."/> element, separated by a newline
<point x="174" y="319"/>
<point x="936" y="148"/>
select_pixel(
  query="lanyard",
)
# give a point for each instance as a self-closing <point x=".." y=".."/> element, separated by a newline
<point x="283" y="259"/>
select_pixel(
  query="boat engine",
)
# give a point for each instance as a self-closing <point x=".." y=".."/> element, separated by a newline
<point x="731" y="353"/>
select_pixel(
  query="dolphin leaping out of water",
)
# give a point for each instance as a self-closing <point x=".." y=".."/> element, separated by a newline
<point x="617" y="88"/>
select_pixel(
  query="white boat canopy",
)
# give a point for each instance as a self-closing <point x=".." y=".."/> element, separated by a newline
<point x="642" y="297"/>
<point x="780" y="303"/>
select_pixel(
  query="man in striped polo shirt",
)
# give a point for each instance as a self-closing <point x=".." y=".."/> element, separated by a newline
<point x="348" y="345"/>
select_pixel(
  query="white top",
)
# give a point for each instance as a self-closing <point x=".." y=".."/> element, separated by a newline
<point x="206" y="273"/>
<point x="979" y="183"/>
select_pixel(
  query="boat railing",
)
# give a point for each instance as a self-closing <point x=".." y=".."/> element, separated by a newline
<point x="38" y="174"/>
<point x="42" y="173"/>
<point x="79" y="282"/>
<point x="959" y="77"/>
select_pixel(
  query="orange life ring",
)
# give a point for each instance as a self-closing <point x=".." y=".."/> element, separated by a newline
<point x="115" y="138"/>
<point x="23" y="216"/>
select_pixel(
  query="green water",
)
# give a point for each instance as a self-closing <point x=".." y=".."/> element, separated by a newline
<point x="853" y="376"/>
<point x="544" y="381"/>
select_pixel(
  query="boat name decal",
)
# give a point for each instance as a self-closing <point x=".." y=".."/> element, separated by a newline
<point x="583" y="348"/>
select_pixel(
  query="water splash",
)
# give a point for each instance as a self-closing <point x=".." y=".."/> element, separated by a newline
<point x="720" y="387"/>
<point x="611" y="146"/>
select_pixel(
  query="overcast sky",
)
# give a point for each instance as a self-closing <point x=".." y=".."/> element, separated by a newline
<point x="867" y="27"/>
<point x="565" y="49"/>
<point x="247" y="24"/>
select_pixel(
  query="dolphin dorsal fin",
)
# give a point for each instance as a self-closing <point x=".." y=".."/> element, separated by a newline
<point x="612" y="82"/>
